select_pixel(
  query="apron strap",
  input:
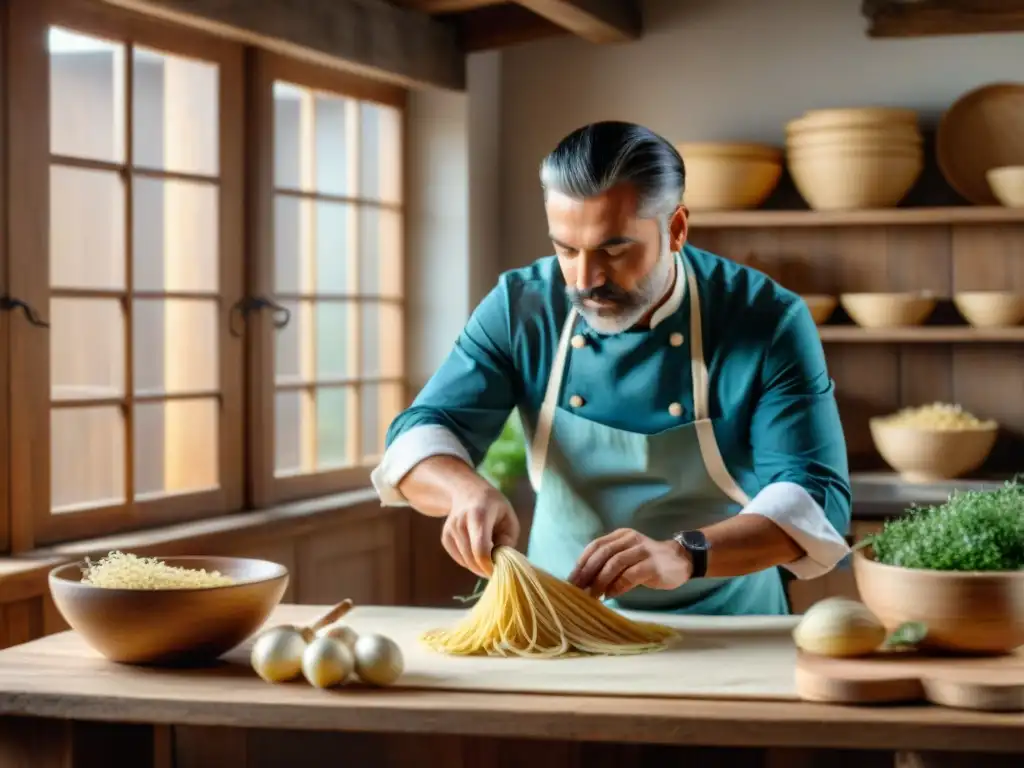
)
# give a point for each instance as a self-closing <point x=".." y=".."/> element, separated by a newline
<point x="714" y="464"/>
<point x="542" y="436"/>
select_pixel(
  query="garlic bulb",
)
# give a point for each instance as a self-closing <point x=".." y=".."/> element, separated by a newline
<point x="339" y="631"/>
<point x="327" y="662"/>
<point x="378" y="659"/>
<point x="277" y="654"/>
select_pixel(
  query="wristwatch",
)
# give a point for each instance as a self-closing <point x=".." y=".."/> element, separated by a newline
<point x="697" y="545"/>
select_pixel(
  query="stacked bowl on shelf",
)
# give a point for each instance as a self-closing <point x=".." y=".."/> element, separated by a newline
<point x="857" y="158"/>
<point x="729" y="176"/>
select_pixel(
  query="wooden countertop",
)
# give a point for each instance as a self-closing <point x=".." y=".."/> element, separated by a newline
<point x="60" y="677"/>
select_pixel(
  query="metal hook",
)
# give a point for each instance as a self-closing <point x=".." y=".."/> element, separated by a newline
<point x="9" y="304"/>
<point x="250" y="304"/>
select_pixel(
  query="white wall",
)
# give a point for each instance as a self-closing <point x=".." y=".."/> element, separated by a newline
<point x="720" y="70"/>
<point x="452" y="217"/>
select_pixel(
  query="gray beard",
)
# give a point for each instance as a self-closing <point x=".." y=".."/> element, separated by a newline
<point x="651" y="289"/>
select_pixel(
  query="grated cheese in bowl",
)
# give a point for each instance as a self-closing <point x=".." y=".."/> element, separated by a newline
<point x="120" y="570"/>
<point x="937" y="416"/>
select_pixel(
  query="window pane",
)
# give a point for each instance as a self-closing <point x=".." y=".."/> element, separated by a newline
<point x="334" y="409"/>
<point x="294" y="437"/>
<point x="335" y="120"/>
<point x="335" y="339"/>
<point x="174" y="343"/>
<point x="87" y="228"/>
<point x="335" y="247"/>
<point x="175" y="113"/>
<point x="380" y="155"/>
<point x="87" y="465"/>
<point x="382" y="340"/>
<point x="175" y="235"/>
<point x="314" y="246"/>
<point x="380" y="404"/>
<point x="380" y="252"/>
<point x="288" y="106"/>
<point x="87" y="104"/>
<point x="176" y="447"/>
<point x="293" y="345"/>
<point x="293" y="241"/>
<point x="86" y="349"/>
<point x="313" y="147"/>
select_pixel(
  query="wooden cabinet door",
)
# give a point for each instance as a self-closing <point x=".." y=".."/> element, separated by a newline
<point x="365" y="560"/>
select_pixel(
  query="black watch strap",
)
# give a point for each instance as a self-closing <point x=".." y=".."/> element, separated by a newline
<point x="697" y="545"/>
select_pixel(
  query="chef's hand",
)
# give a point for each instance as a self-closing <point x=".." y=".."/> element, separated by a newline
<point x="479" y="521"/>
<point x="623" y="559"/>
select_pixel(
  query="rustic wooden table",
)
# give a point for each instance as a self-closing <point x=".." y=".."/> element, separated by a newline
<point x="61" y="705"/>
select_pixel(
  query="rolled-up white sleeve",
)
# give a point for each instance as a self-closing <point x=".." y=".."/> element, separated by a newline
<point x="795" y="511"/>
<point x="408" y="450"/>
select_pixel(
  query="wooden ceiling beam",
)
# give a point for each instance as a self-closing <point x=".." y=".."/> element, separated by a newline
<point x="599" y="21"/>
<point x="447" y="6"/>
<point x="371" y="37"/>
<point x="922" y="18"/>
<point x="503" y="26"/>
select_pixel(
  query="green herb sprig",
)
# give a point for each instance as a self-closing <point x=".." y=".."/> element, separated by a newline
<point x="971" y="531"/>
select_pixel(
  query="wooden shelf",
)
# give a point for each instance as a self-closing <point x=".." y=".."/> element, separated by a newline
<point x="951" y="334"/>
<point x="880" y="217"/>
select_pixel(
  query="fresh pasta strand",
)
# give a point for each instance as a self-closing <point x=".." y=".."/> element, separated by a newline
<point x="525" y="611"/>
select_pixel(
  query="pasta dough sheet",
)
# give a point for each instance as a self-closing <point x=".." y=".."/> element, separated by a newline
<point x="724" y="657"/>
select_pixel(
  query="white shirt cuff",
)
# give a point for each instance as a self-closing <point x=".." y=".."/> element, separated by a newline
<point x="408" y="450"/>
<point x="795" y="511"/>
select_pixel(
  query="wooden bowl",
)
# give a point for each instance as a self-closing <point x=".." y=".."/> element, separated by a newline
<point x="171" y="626"/>
<point x="834" y="179"/>
<point x="887" y="310"/>
<point x="742" y="149"/>
<point x="821" y="305"/>
<point x="990" y="309"/>
<point x="972" y="612"/>
<point x="923" y="455"/>
<point x="852" y="117"/>
<point x="883" y="143"/>
<point x="1007" y="185"/>
<point x="721" y="177"/>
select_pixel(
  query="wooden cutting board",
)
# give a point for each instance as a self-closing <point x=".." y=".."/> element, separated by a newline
<point x="717" y="657"/>
<point x="992" y="684"/>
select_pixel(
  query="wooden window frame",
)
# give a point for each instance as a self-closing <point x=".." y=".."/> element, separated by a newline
<point x="264" y="487"/>
<point x="5" y="485"/>
<point x="31" y="521"/>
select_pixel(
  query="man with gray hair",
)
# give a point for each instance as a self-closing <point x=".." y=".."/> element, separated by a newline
<point x="684" y="439"/>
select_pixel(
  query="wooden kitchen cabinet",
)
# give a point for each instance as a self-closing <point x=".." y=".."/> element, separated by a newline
<point x="364" y="560"/>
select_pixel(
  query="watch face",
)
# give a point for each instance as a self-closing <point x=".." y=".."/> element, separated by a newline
<point x="693" y="540"/>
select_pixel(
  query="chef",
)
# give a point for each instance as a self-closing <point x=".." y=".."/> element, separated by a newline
<point x="684" y="441"/>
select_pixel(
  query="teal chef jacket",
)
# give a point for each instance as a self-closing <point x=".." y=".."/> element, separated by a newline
<point x="770" y="398"/>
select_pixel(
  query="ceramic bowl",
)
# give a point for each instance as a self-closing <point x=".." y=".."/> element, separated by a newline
<point x="923" y="455"/>
<point x="973" y="612"/>
<point x="171" y="626"/>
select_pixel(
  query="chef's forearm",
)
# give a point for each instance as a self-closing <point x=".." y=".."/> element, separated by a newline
<point x="746" y="544"/>
<point x="431" y="485"/>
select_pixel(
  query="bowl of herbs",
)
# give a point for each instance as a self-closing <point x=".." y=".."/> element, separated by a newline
<point x="955" y="570"/>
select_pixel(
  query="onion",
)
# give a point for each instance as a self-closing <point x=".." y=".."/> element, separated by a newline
<point x="277" y="654"/>
<point x="378" y="659"/>
<point x="839" y="627"/>
<point x="341" y="632"/>
<point x="327" y="662"/>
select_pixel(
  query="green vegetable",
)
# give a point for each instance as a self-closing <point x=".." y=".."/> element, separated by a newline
<point x="505" y="461"/>
<point x="972" y="531"/>
<point x="906" y="635"/>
